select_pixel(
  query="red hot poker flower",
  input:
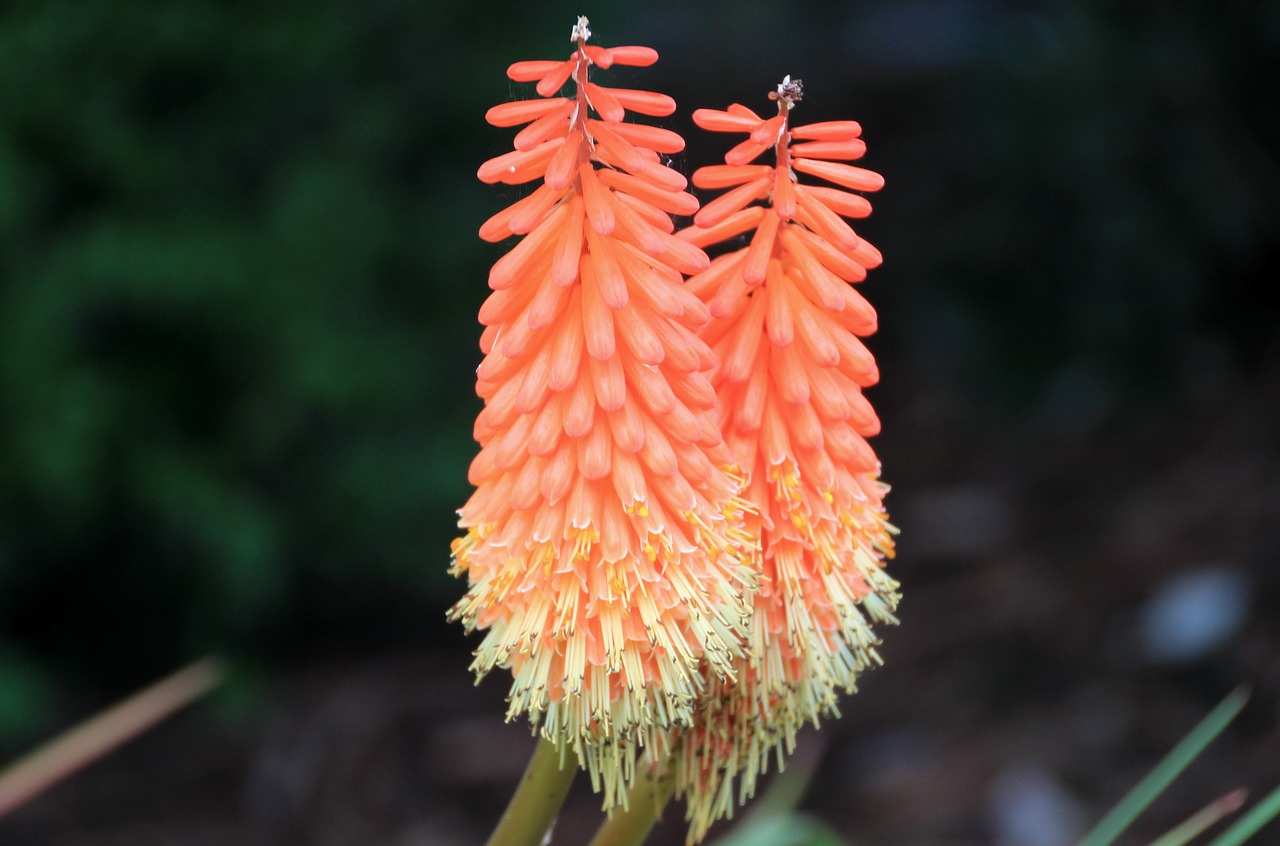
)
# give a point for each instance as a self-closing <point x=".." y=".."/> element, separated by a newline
<point x="786" y="327"/>
<point x="603" y="546"/>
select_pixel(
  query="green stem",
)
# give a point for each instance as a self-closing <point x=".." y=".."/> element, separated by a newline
<point x="533" y="807"/>
<point x="645" y="802"/>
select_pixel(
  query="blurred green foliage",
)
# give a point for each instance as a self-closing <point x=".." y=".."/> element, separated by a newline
<point x="239" y="271"/>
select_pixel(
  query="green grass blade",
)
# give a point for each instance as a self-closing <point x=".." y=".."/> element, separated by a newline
<point x="1199" y="822"/>
<point x="1153" y="784"/>
<point x="1261" y="814"/>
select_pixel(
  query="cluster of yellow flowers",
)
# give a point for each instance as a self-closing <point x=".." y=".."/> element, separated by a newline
<point x="677" y="537"/>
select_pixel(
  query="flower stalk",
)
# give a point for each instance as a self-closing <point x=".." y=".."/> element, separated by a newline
<point x="631" y="824"/>
<point x="533" y="807"/>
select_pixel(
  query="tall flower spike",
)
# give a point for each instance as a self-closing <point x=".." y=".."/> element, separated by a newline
<point x="786" y="327"/>
<point x="604" y="540"/>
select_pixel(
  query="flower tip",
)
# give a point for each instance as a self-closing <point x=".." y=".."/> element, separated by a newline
<point x="581" y="30"/>
<point x="789" y="91"/>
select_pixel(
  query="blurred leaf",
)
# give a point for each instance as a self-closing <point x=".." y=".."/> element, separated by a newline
<point x="1154" y="783"/>
<point x="1200" y="822"/>
<point x="783" y="830"/>
<point x="1259" y="816"/>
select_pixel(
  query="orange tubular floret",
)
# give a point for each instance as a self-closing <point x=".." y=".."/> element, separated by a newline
<point x="518" y="166"/>
<point x="857" y="178"/>
<point x="732" y="201"/>
<point x="748" y="150"/>
<point x="853" y="148"/>
<point x="840" y="202"/>
<point x="723" y="176"/>
<point x="596" y="200"/>
<point x="533" y="71"/>
<point x="831" y="130"/>
<point x="650" y="137"/>
<point x="605" y="104"/>
<point x="717" y="121"/>
<point x="647" y="211"/>
<point x="824" y="222"/>
<point x="732" y="226"/>
<point x="784" y="194"/>
<point x="675" y="202"/>
<point x="644" y="102"/>
<point x="555" y="79"/>
<point x="556" y="123"/>
<point x="761" y="250"/>
<point x="599" y="56"/>
<point x="522" y="111"/>
<point x="640" y="57"/>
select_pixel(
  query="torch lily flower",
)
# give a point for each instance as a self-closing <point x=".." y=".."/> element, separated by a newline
<point x="605" y="550"/>
<point x="791" y="369"/>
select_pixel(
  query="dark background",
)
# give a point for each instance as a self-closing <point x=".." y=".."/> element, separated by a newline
<point x="238" y="279"/>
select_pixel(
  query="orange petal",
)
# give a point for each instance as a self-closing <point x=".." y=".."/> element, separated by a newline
<point x="818" y="283"/>
<point x="597" y="318"/>
<point x="627" y="429"/>
<point x="608" y="276"/>
<point x="558" y="475"/>
<point x="769" y="131"/>
<point x="744" y="347"/>
<point x="840" y="202"/>
<point x="854" y="148"/>
<point x="784" y="194"/>
<point x="562" y="165"/>
<point x="761" y="250"/>
<point x="530" y="211"/>
<point x="675" y="202"/>
<point x="747" y="151"/>
<point x="547" y="428"/>
<point x="523" y="111"/>
<point x="825" y="223"/>
<point x="599" y="209"/>
<point x="651" y="387"/>
<point x="731" y="227"/>
<point x="731" y="201"/>
<point x="579" y="413"/>
<point x="638" y="336"/>
<point x="786" y="366"/>
<point x="831" y="130"/>
<point x="568" y="250"/>
<point x="723" y="176"/>
<point x="530" y="71"/>
<point x="555" y="78"/>
<point x="778" y="319"/>
<point x="518" y="166"/>
<point x="814" y="332"/>
<point x="833" y="259"/>
<point x="633" y="56"/>
<point x="714" y="120"/>
<point x="593" y="453"/>
<point x="651" y="137"/>
<point x="605" y="104"/>
<point x="555" y="124"/>
<point x="857" y="178"/>
<point x="644" y="102"/>
<point x="534" y="249"/>
<point x="609" y="383"/>
<point x="567" y="346"/>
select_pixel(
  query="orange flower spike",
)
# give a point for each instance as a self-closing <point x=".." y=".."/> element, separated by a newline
<point x="605" y="551"/>
<point x="789" y="379"/>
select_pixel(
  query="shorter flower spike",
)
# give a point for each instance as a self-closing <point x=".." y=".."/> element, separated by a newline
<point x="604" y="547"/>
<point x="786" y="328"/>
